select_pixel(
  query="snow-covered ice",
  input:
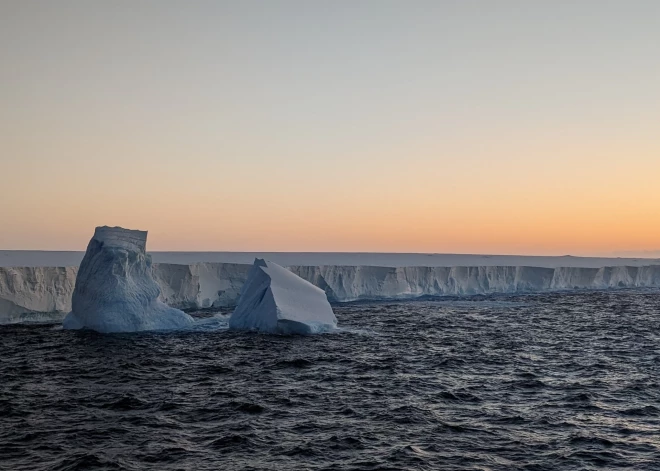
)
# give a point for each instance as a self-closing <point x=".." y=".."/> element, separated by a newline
<point x="34" y="293"/>
<point x="33" y="289"/>
<point x="200" y="285"/>
<point x="115" y="290"/>
<point x="274" y="300"/>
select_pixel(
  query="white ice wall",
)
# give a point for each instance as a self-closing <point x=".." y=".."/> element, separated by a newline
<point x="200" y="285"/>
<point x="29" y="292"/>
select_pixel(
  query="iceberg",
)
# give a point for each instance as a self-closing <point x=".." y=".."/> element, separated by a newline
<point x="35" y="294"/>
<point x="115" y="290"/>
<point x="200" y="285"/>
<point x="44" y="293"/>
<point x="275" y="300"/>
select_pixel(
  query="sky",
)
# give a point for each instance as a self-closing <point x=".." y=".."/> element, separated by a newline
<point x="502" y="127"/>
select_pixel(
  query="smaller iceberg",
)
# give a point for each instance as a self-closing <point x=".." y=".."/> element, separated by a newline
<point x="274" y="300"/>
<point x="115" y="290"/>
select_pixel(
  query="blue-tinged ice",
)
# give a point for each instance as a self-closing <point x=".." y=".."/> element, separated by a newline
<point x="274" y="300"/>
<point x="115" y="290"/>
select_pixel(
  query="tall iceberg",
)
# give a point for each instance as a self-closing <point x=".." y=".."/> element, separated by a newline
<point x="274" y="300"/>
<point x="115" y="290"/>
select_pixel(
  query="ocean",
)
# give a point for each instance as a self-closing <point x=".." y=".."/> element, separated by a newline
<point x="559" y="381"/>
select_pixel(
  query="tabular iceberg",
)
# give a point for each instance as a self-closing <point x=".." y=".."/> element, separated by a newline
<point x="200" y="285"/>
<point x="35" y="293"/>
<point x="44" y="293"/>
<point x="274" y="300"/>
<point x="115" y="290"/>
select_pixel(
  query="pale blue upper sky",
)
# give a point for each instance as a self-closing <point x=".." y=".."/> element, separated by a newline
<point x="330" y="120"/>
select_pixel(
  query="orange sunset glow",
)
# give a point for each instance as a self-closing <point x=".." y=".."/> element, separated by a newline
<point x="235" y="135"/>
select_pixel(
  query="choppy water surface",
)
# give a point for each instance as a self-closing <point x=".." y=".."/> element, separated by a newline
<point x="547" y="382"/>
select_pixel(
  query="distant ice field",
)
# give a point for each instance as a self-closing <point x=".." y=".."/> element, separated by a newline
<point x="37" y="258"/>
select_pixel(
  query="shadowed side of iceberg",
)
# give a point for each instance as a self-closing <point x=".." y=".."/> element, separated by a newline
<point x="275" y="300"/>
<point x="115" y="290"/>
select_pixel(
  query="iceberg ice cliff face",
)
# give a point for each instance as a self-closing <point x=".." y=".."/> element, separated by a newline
<point x="200" y="285"/>
<point x="35" y="293"/>
<point x="274" y="300"/>
<point x="351" y="283"/>
<point x="115" y="290"/>
<point x="44" y="293"/>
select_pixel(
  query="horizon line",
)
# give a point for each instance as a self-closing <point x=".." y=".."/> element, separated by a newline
<point x="649" y="254"/>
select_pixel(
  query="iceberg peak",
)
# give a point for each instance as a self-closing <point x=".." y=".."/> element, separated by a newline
<point x="119" y="237"/>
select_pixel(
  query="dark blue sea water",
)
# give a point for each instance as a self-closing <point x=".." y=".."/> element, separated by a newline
<point x="540" y="382"/>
